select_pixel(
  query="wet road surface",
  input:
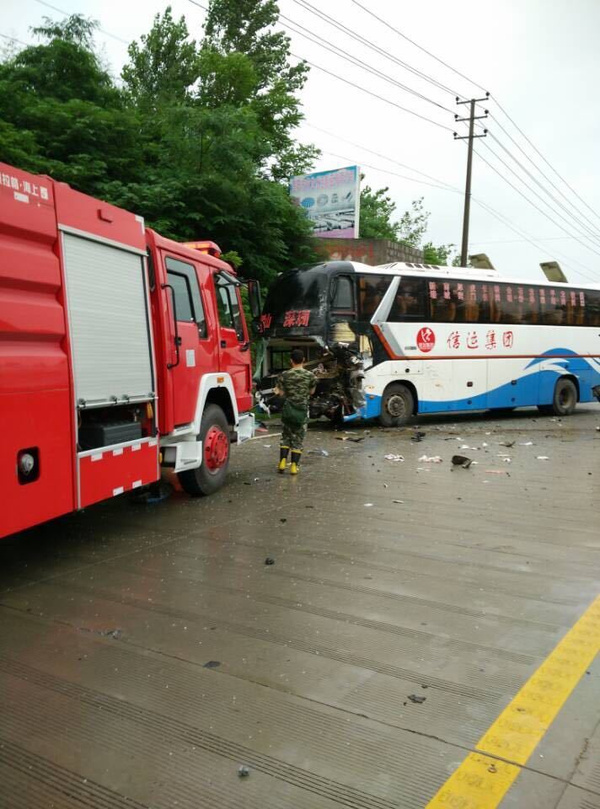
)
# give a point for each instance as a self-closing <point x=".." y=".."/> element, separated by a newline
<point x="147" y="652"/>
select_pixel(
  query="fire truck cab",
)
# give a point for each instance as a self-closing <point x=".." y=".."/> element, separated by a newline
<point x="120" y="351"/>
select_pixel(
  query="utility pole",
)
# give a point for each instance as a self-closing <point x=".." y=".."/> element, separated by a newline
<point x="470" y="137"/>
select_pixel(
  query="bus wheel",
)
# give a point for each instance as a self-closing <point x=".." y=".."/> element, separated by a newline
<point x="210" y="476"/>
<point x="564" y="401"/>
<point x="397" y="405"/>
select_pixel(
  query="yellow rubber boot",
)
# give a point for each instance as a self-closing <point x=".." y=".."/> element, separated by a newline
<point x="295" y="462"/>
<point x="283" y="454"/>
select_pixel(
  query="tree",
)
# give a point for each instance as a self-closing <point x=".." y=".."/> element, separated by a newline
<point x="246" y="26"/>
<point x="163" y="68"/>
<point x="210" y="149"/>
<point x="376" y="212"/>
<point x="62" y="115"/>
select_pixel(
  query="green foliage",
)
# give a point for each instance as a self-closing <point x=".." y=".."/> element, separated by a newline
<point x="438" y="255"/>
<point x="376" y="215"/>
<point x="163" y="68"/>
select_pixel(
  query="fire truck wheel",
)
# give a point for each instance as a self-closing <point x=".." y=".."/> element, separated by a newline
<point x="397" y="405"/>
<point x="211" y="474"/>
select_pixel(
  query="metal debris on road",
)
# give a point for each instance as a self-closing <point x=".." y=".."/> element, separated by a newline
<point x="269" y="560"/>
<point x="243" y="772"/>
<point x="320" y="452"/>
<point x="391" y="457"/>
<point x="416" y="699"/>
<point x="430" y="459"/>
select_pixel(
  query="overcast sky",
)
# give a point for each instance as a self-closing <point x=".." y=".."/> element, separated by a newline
<point x="538" y="58"/>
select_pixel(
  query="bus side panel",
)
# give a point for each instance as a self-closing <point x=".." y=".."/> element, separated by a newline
<point x="511" y="383"/>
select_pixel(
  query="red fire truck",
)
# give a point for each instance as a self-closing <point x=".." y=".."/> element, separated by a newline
<point x="120" y="352"/>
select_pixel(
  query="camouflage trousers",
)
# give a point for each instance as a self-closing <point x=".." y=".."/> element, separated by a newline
<point x="293" y="436"/>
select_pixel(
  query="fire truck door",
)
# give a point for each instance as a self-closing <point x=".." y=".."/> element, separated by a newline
<point x="193" y="349"/>
<point x="234" y="354"/>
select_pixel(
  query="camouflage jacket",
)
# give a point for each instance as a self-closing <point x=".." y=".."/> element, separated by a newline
<point x="296" y="385"/>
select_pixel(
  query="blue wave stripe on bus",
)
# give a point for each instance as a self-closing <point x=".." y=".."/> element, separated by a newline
<point x="553" y="352"/>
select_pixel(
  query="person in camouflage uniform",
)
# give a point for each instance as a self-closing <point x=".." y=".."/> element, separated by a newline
<point x="296" y="385"/>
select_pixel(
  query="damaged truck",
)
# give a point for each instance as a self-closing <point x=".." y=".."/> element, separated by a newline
<point x="402" y="339"/>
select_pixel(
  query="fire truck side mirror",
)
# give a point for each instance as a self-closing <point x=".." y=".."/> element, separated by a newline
<point x="254" y="299"/>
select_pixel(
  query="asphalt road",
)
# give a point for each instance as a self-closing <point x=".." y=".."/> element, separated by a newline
<point x="147" y="652"/>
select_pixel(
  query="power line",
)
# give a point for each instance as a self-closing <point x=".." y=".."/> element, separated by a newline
<point x="592" y="233"/>
<point x="67" y="14"/>
<point x="541" y="199"/>
<point x="388" y="171"/>
<point x="349" y="32"/>
<point x="445" y="64"/>
<point x="501" y="218"/>
<point x="500" y="107"/>
<point x="356" y="61"/>
<point x="384" y="157"/>
<point x="420" y="47"/>
<point x="514" y="187"/>
<point x="14" y="39"/>
<point x="371" y="93"/>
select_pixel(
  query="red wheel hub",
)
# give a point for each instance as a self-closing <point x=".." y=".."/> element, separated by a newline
<point x="216" y="449"/>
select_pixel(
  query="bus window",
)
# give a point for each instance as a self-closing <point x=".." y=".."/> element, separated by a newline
<point x="343" y="294"/>
<point x="410" y="302"/>
<point x="592" y="307"/>
<point x="511" y="307"/>
<point x="371" y="289"/>
<point x="552" y="312"/>
<point x="442" y="301"/>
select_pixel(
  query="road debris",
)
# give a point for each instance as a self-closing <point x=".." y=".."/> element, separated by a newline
<point x="430" y="459"/>
<point x="508" y="444"/>
<point x="396" y="458"/>
<point x="243" y="771"/>
<point x="400" y="502"/>
<point x="525" y="443"/>
<point x="368" y="505"/>
<point x="269" y="560"/>
<point x="543" y="458"/>
<point x="461" y="460"/>
<point x="212" y="664"/>
<point x="321" y="452"/>
<point x="416" y="699"/>
<point x="418" y="436"/>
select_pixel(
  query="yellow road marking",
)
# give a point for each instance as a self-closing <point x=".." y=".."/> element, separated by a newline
<point x="481" y="781"/>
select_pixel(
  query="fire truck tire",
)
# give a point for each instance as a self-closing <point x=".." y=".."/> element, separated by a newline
<point x="397" y="405"/>
<point x="211" y="474"/>
<point x="564" y="400"/>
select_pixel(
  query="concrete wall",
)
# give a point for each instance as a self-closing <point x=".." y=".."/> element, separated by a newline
<point x="369" y="251"/>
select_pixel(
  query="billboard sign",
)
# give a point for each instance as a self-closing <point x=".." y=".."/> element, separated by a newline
<point x="331" y="200"/>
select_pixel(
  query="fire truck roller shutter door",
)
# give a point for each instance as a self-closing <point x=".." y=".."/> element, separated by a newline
<point x="108" y="315"/>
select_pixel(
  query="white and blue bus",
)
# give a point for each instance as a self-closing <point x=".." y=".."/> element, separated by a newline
<point x="401" y="339"/>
